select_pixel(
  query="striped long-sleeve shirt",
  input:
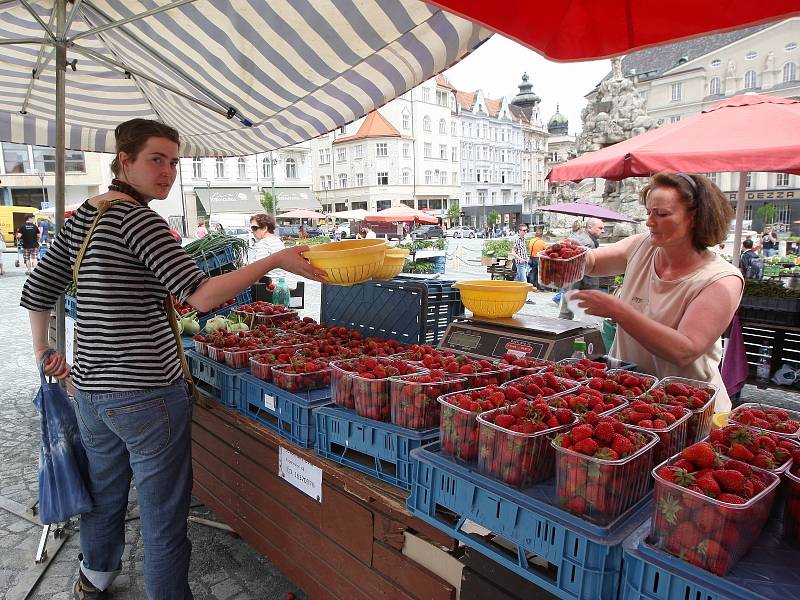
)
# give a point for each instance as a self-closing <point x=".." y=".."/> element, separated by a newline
<point x="123" y="337"/>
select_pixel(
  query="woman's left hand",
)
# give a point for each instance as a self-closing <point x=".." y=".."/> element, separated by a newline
<point x="292" y="260"/>
<point x="599" y="304"/>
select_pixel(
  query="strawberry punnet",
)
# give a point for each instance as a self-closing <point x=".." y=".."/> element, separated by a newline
<point x="302" y="375"/>
<point x="578" y="369"/>
<point x="544" y="384"/>
<point x="459" y="428"/>
<point x="669" y="423"/>
<point x="514" y="441"/>
<point x="696" y="396"/>
<point x="562" y="263"/>
<point x="777" y="420"/>
<point x="363" y="384"/>
<point x="414" y="397"/>
<point x="585" y="399"/>
<point x="602" y="467"/>
<point x="760" y="449"/>
<point x="709" y="509"/>
<point x="621" y="382"/>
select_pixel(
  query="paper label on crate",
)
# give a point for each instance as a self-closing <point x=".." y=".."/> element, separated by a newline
<point x="300" y="473"/>
<point x="269" y="402"/>
<point x="295" y="301"/>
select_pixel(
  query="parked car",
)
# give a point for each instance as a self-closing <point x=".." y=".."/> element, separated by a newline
<point x="293" y="231"/>
<point x="343" y="229"/>
<point x="427" y="232"/>
<point x="461" y="232"/>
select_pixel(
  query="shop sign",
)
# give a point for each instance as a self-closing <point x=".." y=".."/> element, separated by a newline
<point x="300" y="473"/>
<point x="767" y="195"/>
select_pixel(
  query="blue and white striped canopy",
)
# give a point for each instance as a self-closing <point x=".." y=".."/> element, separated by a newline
<point x="234" y="77"/>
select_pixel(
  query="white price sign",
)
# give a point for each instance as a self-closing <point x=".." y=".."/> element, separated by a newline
<point x="269" y="402"/>
<point x="295" y="302"/>
<point x="300" y="473"/>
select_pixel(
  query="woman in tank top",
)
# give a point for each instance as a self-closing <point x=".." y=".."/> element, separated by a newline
<point x="678" y="297"/>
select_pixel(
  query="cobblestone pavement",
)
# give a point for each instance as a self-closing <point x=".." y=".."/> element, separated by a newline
<point x="223" y="567"/>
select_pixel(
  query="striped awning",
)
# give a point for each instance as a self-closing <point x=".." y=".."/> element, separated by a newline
<point x="235" y="77"/>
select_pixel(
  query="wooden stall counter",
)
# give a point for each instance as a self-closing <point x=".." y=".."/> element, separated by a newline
<point x="348" y="544"/>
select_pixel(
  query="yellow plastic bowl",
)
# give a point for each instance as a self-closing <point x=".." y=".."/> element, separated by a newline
<point x="348" y="262"/>
<point x="493" y="299"/>
<point x="393" y="262"/>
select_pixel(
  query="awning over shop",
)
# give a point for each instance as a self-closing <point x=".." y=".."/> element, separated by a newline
<point x="229" y="200"/>
<point x="293" y="198"/>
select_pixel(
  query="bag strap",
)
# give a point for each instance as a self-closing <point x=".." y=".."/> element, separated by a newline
<point x="169" y="309"/>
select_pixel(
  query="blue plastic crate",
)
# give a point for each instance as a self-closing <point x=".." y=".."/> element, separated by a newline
<point x="219" y="382"/>
<point x="290" y="415"/>
<point x="216" y="260"/>
<point x="246" y="297"/>
<point x="767" y="572"/>
<point x="409" y="310"/>
<point x="583" y="560"/>
<point x="381" y="450"/>
<point x="187" y="341"/>
<point x="71" y="307"/>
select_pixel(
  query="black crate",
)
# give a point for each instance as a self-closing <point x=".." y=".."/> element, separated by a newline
<point x="409" y="310"/>
<point x="769" y="316"/>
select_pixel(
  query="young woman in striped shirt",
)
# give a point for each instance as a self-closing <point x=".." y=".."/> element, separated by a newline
<point x="132" y="403"/>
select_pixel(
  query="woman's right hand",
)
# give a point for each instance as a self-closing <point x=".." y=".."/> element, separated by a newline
<point x="292" y="260"/>
<point x="55" y="366"/>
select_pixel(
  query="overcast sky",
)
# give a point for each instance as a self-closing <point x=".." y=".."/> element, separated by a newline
<point x="497" y="66"/>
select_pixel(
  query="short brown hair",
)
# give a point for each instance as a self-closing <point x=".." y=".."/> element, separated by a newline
<point x="131" y="135"/>
<point x="264" y="220"/>
<point x="712" y="211"/>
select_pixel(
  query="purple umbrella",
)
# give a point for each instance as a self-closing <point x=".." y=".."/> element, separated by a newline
<point x="581" y="209"/>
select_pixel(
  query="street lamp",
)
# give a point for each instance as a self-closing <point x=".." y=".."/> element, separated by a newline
<point x="41" y="175"/>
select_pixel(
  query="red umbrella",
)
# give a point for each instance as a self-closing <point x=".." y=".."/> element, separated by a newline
<point x="744" y="133"/>
<point x="584" y="29"/>
<point x="401" y="213"/>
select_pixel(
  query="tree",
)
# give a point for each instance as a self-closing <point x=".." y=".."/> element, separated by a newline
<point x="767" y="213"/>
<point x="268" y="202"/>
<point x="492" y="218"/>
<point x="454" y="212"/>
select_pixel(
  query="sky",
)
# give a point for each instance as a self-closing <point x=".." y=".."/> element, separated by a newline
<point x="497" y="66"/>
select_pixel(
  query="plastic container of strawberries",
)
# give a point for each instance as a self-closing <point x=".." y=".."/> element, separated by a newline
<point x="239" y="359"/>
<point x="368" y="397"/>
<point x="650" y="380"/>
<point x="610" y="402"/>
<point x="300" y="382"/>
<point x="544" y="384"/>
<point x="215" y="354"/>
<point x="671" y="439"/>
<point x="274" y="320"/>
<point x="791" y="414"/>
<point x="414" y="403"/>
<point x="700" y="422"/>
<point x="517" y="459"/>
<point x="729" y="528"/>
<point x="779" y="468"/>
<point x="601" y="490"/>
<point x="201" y="348"/>
<point x="496" y="376"/>
<point x="791" y="508"/>
<point x="557" y="273"/>
<point x="283" y="354"/>
<point x="459" y="430"/>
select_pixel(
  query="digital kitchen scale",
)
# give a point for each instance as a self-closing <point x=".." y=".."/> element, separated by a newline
<point x="544" y="338"/>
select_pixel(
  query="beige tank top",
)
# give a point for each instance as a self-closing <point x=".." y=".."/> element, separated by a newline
<point x="666" y="302"/>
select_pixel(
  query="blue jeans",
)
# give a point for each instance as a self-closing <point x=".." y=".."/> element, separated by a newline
<point x="522" y="272"/>
<point x="770" y="251"/>
<point x="145" y="434"/>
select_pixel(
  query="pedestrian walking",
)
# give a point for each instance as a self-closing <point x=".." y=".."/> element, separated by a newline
<point x="520" y="254"/>
<point x="535" y="245"/>
<point x="133" y="404"/>
<point x="201" y="230"/>
<point x="28" y="234"/>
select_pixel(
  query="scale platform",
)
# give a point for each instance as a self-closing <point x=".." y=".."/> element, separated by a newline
<point x="544" y="338"/>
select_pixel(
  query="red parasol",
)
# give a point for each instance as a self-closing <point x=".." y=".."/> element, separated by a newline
<point x="584" y="29"/>
<point x="401" y="213"/>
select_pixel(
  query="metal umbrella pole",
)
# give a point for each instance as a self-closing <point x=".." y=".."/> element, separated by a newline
<point x="60" y="8"/>
<point x="737" y="234"/>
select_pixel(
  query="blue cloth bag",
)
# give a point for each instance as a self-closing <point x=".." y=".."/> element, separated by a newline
<point x="63" y="468"/>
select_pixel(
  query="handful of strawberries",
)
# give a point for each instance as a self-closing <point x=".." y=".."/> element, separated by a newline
<point x="585" y="399"/>
<point x="709" y="509"/>
<point x="544" y="384"/>
<point x="621" y="382"/>
<point x="363" y="384"/>
<point x="757" y="448"/>
<point x="413" y="398"/>
<point x="562" y="263"/>
<point x="458" y="435"/>
<point x="669" y="423"/>
<point x="602" y="467"/>
<point x="785" y="423"/>
<point x="524" y="365"/>
<point x="514" y="445"/>
<point x="579" y="369"/>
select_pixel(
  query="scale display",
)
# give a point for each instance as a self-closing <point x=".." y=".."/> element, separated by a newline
<point x="467" y="341"/>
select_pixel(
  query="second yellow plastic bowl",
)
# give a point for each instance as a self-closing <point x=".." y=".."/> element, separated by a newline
<point x="493" y="299"/>
<point x="348" y="262"/>
<point x="393" y="262"/>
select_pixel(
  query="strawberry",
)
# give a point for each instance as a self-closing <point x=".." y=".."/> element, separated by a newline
<point x="730" y="480"/>
<point x="701" y="454"/>
<point x="731" y="498"/>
